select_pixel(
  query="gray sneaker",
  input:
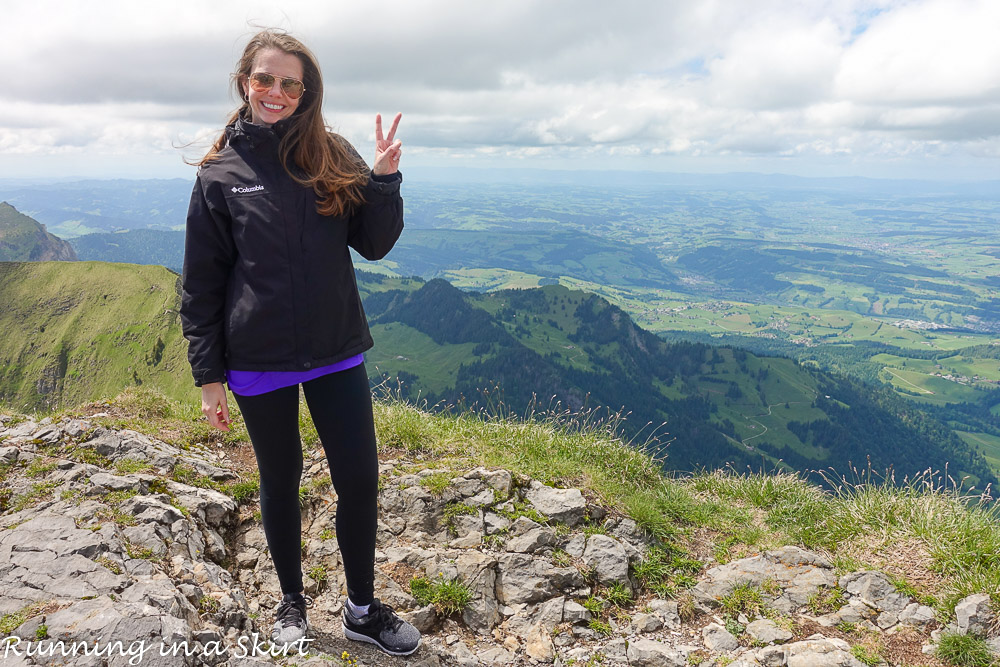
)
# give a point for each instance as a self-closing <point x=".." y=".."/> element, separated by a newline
<point x="382" y="627"/>
<point x="290" y="623"/>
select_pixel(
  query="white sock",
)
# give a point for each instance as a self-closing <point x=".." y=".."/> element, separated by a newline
<point x="357" y="610"/>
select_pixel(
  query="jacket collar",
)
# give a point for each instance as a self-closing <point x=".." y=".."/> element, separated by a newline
<point x="244" y="129"/>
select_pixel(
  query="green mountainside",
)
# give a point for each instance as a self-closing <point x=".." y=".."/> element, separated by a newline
<point x="78" y="331"/>
<point x="721" y="405"/>
<point x="88" y="330"/>
<point x="23" y="239"/>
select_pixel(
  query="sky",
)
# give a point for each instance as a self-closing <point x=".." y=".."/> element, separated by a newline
<point x="880" y="88"/>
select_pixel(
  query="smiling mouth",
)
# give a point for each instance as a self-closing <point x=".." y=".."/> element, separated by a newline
<point x="272" y="107"/>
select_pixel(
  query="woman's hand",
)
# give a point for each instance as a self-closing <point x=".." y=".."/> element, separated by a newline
<point x="214" y="405"/>
<point x="386" y="152"/>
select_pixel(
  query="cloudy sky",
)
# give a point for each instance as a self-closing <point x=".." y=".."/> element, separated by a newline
<point x="897" y="88"/>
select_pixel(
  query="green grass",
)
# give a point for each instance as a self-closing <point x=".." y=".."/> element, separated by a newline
<point x="449" y="596"/>
<point x="870" y="656"/>
<point x="436" y="483"/>
<point x="666" y="572"/>
<point x="744" y="598"/>
<point x="964" y="651"/>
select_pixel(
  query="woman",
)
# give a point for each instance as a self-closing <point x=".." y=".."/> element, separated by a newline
<point x="270" y="302"/>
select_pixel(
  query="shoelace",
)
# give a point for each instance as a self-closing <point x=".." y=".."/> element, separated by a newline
<point x="384" y="615"/>
<point x="292" y="612"/>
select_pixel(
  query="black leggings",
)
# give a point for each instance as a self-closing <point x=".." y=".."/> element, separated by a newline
<point x="341" y="408"/>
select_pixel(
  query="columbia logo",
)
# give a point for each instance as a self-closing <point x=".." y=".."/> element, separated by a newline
<point x="255" y="188"/>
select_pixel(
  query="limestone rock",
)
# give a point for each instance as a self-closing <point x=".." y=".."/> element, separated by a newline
<point x="607" y="557"/>
<point x="765" y="631"/>
<point x="717" y="638"/>
<point x="649" y="653"/>
<point x="564" y="505"/>
<point x="973" y="615"/>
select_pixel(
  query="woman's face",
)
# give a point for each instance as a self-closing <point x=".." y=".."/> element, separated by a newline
<point x="270" y="106"/>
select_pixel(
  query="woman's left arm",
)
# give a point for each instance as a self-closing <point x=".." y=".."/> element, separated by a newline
<point x="375" y="226"/>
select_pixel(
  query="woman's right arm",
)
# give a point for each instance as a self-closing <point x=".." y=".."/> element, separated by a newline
<point x="209" y="255"/>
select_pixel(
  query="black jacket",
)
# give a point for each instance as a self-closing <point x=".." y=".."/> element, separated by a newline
<point x="268" y="282"/>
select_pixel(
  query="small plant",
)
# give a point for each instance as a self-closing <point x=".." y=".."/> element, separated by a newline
<point x="826" y="600"/>
<point x="964" y="650"/>
<point x="449" y="596"/>
<point x="208" y="605"/>
<point x="686" y="607"/>
<point x="664" y="571"/>
<point x="870" y="656"/>
<point x="437" y="483"/>
<point x="158" y="486"/>
<point x="594" y="605"/>
<point x="131" y="465"/>
<point x="594" y="529"/>
<point x="744" y="598"/>
<point x="909" y="590"/>
<point x="519" y="509"/>
<point x="36" y="468"/>
<point x="318" y="574"/>
<point x="42" y="632"/>
<point x="116" y="498"/>
<point x="327" y="534"/>
<point x="347" y="660"/>
<point x="619" y="595"/>
<point x="32" y="496"/>
<point x="847" y="628"/>
<point x="243" y="491"/>
<point x="599" y="626"/>
<point x="10" y="622"/>
<point x="697" y="657"/>
<point x="494" y="541"/>
<point x="561" y="559"/>
<point x="109" y="564"/>
<point x="770" y="587"/>
<point x="135" y="551"/>
<point x="734" y="627"/>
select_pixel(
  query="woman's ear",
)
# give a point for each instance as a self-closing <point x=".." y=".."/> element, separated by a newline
<point x="245" y="85"/>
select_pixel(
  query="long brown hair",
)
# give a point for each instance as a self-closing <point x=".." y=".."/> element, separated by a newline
<point x="330" y="167"/>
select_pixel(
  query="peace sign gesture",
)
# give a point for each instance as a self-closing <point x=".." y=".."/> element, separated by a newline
<point x="387" y="152"/>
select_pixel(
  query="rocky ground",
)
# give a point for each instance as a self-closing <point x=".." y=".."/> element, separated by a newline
<point x="111" y="536"/>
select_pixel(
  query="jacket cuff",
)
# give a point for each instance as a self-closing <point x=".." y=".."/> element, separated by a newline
<point x="387" y="184"/>
<point x="208" y="377"/>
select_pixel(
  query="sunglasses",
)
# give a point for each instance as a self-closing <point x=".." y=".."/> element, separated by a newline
<point x="263" y="82"/>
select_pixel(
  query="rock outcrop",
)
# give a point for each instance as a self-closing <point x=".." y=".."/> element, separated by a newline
<point x="111" y="536"/>
<point x="24" y="239"/>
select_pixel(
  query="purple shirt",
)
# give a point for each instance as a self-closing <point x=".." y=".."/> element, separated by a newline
<point x="252" y="383"/>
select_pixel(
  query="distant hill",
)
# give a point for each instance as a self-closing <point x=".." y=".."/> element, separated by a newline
<point x="135" y="246"/>
<point x="23" y="239"/>
<point x="83" y="207"/>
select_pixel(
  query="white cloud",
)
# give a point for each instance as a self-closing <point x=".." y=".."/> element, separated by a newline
<point x="530" y="79"/>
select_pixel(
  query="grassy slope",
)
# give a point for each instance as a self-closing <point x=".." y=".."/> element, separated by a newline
<point x="74" y="331"/>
